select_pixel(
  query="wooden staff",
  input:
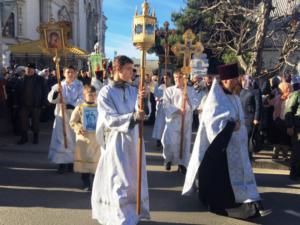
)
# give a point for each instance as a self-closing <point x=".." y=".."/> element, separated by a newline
<point x="183" y="108"/>
<point x="61" y="100"/>
<point x="140" y="140"/>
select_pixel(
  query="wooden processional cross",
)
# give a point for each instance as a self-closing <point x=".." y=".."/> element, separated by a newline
<point x="187" y="49"/>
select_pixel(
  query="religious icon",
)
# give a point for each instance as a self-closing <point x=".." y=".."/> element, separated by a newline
<point x="90" y="116"/>
<point x="54" y="39"/>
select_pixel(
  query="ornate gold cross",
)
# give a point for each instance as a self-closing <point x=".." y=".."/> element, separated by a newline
<point x="188" y="48"/>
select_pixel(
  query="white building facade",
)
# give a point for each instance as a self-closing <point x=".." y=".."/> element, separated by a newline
<point x="20" y="19"/>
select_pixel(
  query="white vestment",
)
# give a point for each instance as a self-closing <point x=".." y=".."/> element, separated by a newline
<point x="218" y="109"/>
<point x="115" y="182"/>
<point x="160" y="121"/>
<point x="97" y="84"/>
<point x="202" y="96"/>
<point x="172" y="102"/>
<point x="72" y="95"/>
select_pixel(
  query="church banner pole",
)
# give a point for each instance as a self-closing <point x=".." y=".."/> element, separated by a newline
<point x="143" y="39"/>
<point x="56" y="60"/>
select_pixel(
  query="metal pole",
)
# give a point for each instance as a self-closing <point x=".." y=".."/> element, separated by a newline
<point x="140" y="140"/>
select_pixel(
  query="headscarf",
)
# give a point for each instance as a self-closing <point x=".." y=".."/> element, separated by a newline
<point x="286" y="89"/>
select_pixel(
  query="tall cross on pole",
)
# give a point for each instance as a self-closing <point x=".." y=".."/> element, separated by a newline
<point x="187" y="49"/>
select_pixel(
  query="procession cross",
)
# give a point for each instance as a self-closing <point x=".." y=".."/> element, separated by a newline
<point x="188" y="48"/>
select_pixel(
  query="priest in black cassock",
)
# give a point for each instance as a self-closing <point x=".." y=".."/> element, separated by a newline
<point x="220" y="156"/>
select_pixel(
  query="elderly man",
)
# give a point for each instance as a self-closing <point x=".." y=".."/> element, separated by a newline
<point x="32" y="97"/>
<point x="220" y="156"/>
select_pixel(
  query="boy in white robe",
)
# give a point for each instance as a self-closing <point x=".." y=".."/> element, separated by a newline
<point x="115" y="183"/>
<point x="172" y="105"/>
<point x="160" y="118"/>
<point x="72" y="90"/>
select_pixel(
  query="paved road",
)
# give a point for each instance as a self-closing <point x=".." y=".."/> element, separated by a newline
<point x="32" y="193"/>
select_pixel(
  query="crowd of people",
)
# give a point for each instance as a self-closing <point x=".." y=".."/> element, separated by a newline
<point x="96" y="121"/>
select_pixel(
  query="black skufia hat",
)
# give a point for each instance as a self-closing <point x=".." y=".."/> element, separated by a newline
<point x="31" y="65"/>
<point x="229" y="71"/>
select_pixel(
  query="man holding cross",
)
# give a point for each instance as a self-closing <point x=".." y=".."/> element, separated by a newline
<point x="172" y="105"/>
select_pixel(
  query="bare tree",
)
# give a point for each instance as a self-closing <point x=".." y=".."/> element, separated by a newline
<point x="244" y="28"/>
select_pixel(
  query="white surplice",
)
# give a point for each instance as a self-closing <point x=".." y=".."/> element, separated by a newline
<point x="172" y="102"/>
<point x="97" y="84"/>
<point x="219" y="108"/>
<point x="72" y="95"/>
<point x="115" y="182"/>
<point x="160" y="120"/>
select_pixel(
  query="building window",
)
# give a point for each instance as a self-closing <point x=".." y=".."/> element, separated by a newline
<point x="9" y="26"/>
<point x="20" y="18"/>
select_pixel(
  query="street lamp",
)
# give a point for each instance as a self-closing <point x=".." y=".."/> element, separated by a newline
<point x="143" y="39"/>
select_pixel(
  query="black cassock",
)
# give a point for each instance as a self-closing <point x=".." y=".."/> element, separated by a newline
<point x="215" y="190"/>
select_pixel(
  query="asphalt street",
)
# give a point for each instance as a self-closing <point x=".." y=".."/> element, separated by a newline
<point x="32" y="193"/>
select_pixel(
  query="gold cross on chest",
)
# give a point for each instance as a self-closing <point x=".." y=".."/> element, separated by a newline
<point x="187" y="49"/>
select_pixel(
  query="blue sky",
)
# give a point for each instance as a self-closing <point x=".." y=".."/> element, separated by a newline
<point x="119" y="15"/>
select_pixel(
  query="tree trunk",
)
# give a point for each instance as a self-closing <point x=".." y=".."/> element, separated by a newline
<point x="255" y="65"/>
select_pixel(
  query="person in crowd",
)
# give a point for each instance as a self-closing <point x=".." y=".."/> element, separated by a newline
<point x="292" y="119"/>
<point x="150" y="89"/>
<point x="205" y="87"/>
<point x="52" y="79"/>
<point x="295" y="82"/>
<point x="269" y="93"/>
<point x="281" y="140"/>
<point x="115" y="184"/>
<point x="47" y="111"/>
<point x="32" y="96"/>
<point x="172" y="106"/>
<point x="84" y="77"/>
<point x="72" y="95"/>
<point x="87" y="150"/>
<point x="3" y="94"/>
<point x="97" y="81"/>
<point x="12" y="88"/>
<point x="135" y="78"/>
<point x="160" y="120"/>
<point x="251" y="100"/>
<point x="220" y="155"/>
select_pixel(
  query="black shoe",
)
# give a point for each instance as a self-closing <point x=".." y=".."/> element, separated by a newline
<point x="168" y="166"/>
<point x="35" y="138"/>
<point x="260" y="210"/>
<point x="70" y="167"/>
<point x="23" y="140"/>
<point x="61" y="168"/>
<point x="181" y="169"/>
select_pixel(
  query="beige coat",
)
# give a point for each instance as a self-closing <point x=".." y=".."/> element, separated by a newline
<point x="87" y="150"/>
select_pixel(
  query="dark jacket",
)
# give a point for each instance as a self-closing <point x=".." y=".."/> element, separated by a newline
<point x="252" y="105"/>
<point x="292" y="111"/>
<point x="39" y="92"/>
<point x="12" y="88"/>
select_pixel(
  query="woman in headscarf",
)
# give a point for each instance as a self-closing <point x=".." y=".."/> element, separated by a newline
<point x="281" y="140"/>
